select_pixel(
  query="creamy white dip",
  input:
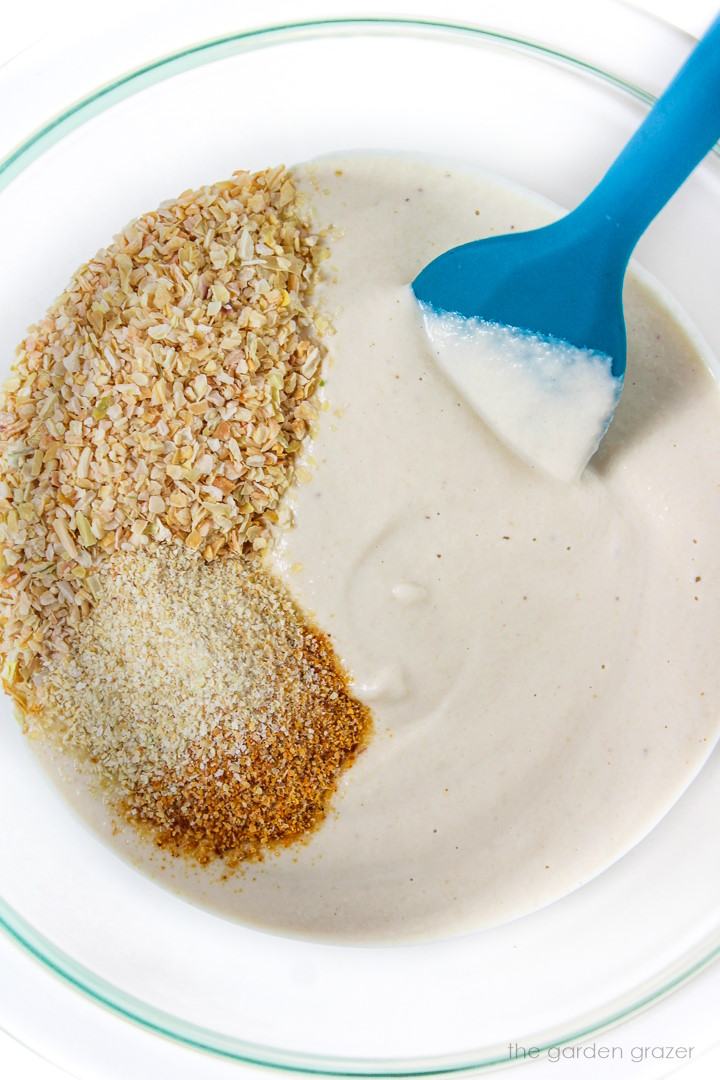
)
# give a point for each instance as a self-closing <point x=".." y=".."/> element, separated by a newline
<point x="539" y="656"/>
<point x="547" y="400"/>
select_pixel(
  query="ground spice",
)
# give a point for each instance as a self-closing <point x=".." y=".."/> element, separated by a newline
<point x="212" y="712"/>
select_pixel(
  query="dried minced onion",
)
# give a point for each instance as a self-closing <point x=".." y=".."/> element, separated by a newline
<point x="165" y="395"/>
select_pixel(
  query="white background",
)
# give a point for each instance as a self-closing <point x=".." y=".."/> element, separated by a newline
<point x="688" y="1016"/>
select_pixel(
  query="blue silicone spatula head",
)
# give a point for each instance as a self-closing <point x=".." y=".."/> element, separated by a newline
<point x="563" y="284"/>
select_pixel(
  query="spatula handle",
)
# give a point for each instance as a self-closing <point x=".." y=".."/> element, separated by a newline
<point x="676" y="135"/>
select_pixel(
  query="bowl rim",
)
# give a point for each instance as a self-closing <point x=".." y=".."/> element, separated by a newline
<point x="174" y="63"/>
<point x="12" y="923"/>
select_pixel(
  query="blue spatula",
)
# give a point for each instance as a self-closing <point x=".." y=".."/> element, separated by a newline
<point x="563" y="283"/>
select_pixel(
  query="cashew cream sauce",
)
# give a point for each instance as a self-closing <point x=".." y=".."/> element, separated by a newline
<point x="539" y="656"/>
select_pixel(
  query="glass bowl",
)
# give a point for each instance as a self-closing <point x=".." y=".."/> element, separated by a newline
<point x="550" y="121"/>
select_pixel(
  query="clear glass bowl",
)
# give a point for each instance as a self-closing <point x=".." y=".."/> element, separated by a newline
<point x="551" y="122"/>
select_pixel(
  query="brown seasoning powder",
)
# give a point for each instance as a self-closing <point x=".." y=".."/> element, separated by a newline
<point x="212" y="712"/>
